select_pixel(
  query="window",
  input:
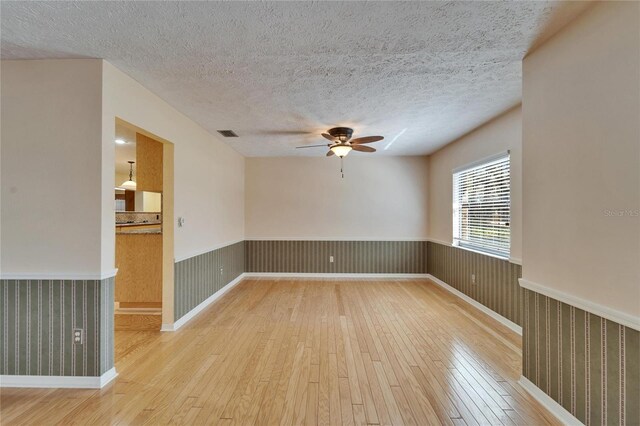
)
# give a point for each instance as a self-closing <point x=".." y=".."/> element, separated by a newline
<point x="482" y="206"/>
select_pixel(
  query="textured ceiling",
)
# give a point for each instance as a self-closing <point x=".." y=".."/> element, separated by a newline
<point x="278" y="73"/>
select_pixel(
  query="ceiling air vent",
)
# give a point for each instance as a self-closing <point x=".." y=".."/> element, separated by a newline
<point x="228" y="133"/>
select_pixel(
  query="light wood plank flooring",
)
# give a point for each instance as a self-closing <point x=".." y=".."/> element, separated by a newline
<point x="307" y="352"/>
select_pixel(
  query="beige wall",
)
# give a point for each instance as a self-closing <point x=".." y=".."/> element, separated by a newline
<point x="380" y="198"/>
<point x="581" y="140"/>
<point x="51" y="162"/>
<point x="58" y="131"/>
<point x="209" y="175"/>
<point x="498" y="135"/>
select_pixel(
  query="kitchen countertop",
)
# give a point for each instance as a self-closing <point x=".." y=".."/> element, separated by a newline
<point x="140" y="231"/>
<point x="138" y="223"/>
<point x="139" y="228"/>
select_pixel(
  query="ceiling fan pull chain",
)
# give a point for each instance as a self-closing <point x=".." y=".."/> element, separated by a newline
<point x="341" y="167"/>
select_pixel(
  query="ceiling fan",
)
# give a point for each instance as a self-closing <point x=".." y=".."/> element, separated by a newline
<point x="342" y="144"/>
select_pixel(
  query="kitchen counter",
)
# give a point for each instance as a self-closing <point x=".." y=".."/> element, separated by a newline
<point x="138" y="223"/>
<point x="139" y="228"/>
<point x="139" y="231"/>
<point x="139" y="263"/>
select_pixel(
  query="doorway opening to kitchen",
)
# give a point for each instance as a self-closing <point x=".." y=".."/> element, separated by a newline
<point x="144" y="233"/>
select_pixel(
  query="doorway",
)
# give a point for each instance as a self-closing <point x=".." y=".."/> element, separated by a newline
<point x="144" y="234"/>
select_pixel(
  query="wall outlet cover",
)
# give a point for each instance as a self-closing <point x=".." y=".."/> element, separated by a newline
<point x="78" y="336"/>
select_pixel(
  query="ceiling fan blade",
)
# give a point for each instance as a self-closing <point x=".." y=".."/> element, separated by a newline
<point x="311" y="146"/>
<point x="330" y="153"/>
<point x="329" y="137"/>
<point x="362" y="148"/>
<point x="366" y="139"/>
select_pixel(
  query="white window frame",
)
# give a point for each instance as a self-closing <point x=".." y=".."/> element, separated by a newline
<point x="500" y="247"/>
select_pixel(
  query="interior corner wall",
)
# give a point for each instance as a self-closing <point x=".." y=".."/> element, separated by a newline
<point x="495" y="283"/>
<point x="581" y="229"/>
<point x="209" y="175"/>
<point x="51" y="220"/>
<point x="51" y="163"/>
<point x="208" y="191"/>
<point x="581" y="129"/>
<point x="498" y="135"/>
<point x="303" y="217"/>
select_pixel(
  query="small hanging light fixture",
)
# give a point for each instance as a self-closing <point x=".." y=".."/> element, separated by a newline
<point x="341" y="150"/>
<point x="130" y="184"/>
<point x="342" y="144"/>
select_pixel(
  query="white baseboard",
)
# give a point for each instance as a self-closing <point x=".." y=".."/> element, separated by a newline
<point x="328" y="275"/>
<point x="192" y="313"/>
<point x="493" y="314"/>
<point x="167" y="327"/>
<point x="10" y="381"/>
<point x="195" y="311"/>
<point x="549" y="403"/>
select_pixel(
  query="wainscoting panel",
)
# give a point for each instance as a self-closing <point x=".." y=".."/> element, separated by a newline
<point x="496" y="284"/>
<point x="38" y="318"/>
<point x="364" y="257"/>
<point x="200" y="276"/>
<point x="588" y="364"/>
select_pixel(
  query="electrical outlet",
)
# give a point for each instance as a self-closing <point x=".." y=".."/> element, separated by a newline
<point x="330" y="259"/>
<point x="78" y="336"/>
<point x="473" y="278"/>
<point x="221" y="270"/>
<point x="180" y="222"/>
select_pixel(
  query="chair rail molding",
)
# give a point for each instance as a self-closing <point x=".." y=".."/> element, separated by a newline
<point x="614" y="315"/>
<point x="73" y="276"/>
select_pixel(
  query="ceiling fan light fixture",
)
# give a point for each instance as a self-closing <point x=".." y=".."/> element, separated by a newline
<point x="341" y="150"/>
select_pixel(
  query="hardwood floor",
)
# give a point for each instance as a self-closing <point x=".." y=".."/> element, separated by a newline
<point x="307" y="352"/>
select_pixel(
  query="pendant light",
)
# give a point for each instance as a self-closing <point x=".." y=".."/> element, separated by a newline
<point x="130" y="185"/>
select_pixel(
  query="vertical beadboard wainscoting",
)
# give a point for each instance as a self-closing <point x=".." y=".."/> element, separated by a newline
<point x="37" y="346"/>
<point x="349" y="257"/>
<point x="199" y="278"/>
<point x="587" y="364"/>
<point x="496" y="285"/>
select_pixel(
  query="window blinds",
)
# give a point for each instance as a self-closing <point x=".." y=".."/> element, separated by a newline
<point x="482" y="206"/>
